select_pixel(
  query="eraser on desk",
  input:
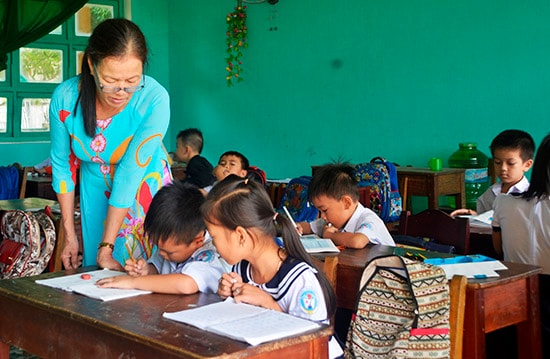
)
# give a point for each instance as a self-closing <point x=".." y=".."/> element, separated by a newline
<point x="480" y="276"/>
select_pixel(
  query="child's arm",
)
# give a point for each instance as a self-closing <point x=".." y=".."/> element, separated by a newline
<point x="250" y="294"/>
<point x="175" y="283"/>
<point x="464" y="212"/>
<point x="346" y="239"/>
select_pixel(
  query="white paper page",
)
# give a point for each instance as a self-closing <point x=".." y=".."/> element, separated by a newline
<point x="220" y="312"/>
<point x="477" y="270"/>
<point x="315" y="244"/>
<point x="106" y="294"/>
<point x="244" y="322"/>
<point x="66" y="282"/>
<point x="263" y="327"/>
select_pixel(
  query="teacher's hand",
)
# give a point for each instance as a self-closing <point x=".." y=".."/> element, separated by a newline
<point x="70" y="257"/>
<point x="105" y="259"/>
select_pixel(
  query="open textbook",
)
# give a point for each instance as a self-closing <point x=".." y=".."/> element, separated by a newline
<point x="315" y="244"/>
<point x="84" y="283"/>
<point x="244" y="322"/>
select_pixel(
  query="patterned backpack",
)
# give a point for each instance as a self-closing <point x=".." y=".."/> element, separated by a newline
<point x="381" y="176"/>
<point x="296" y="200"/>
<point x="27" y="243"/>
<point x="402" y="311"/>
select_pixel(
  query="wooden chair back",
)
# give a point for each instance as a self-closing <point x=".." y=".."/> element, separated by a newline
<point x="456" y="316"/>
<point x="329" y="266"/>
<point x="23" y="174"/>
<point x="436" y="224"/>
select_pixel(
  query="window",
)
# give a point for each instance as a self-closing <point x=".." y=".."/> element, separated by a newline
<point x="35" y="70"/>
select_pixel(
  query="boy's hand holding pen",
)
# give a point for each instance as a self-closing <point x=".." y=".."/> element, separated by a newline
<point x="297" y="226"/>
<point x="136" y="267"/>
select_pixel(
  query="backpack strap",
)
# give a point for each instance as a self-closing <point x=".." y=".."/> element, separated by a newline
<point x="47" y="237"/>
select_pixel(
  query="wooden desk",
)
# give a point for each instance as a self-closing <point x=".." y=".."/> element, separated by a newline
<point x="26" y="204"/>
<point x="49" y="323"/>
<point x="415" y="181"/>
<point x="491" y="304"/>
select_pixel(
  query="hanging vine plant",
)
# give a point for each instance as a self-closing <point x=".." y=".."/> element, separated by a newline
<point x="236" y="41"/>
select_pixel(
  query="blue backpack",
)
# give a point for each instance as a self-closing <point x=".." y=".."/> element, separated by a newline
<point x="381" y="176"/>
<point x="9" y="182"/>
<point x="296" y="201"/>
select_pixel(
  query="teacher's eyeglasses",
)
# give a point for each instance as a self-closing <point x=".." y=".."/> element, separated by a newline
<point x="115" y="89"/>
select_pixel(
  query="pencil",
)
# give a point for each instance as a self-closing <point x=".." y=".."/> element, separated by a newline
<point x="290" y="217"/>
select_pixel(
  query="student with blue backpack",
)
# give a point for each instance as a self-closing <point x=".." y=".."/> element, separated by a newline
<point x="333" y="191"/>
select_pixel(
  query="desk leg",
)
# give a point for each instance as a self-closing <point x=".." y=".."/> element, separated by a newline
<point x="529" y="337"/>
<point x="4" y="350"/>
<point x="474" y="325"/>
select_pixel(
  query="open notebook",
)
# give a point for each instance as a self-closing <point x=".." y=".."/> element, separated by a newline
<point x="77" y="284"/>
<point x="244" y="322"/>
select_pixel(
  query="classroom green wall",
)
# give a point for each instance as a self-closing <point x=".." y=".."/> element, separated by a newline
<point x="354" y="79"/>
<point x="349" y="80"/>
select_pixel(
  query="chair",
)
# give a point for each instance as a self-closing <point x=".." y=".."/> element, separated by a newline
<point x="24" y="172"/>
<point x="329" y="266"/>
<point x="436" y="224"/>
<point x="456" y="315"/>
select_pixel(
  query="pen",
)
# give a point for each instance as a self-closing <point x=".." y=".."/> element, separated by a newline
<point x="291" y="219"/>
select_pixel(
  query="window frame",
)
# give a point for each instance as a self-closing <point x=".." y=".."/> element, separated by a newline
<point x="15" y="90"/>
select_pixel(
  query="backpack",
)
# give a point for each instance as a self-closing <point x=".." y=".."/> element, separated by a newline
<point x="402" y="311"/>
<point x="257" y="174"/>
<point x="381" y="176"/>
<point x="27" y="244"/>
<point x="296" y="200"/>
<point x="9" y="182"/>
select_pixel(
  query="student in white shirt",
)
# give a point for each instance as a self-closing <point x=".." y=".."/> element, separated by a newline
<point x="512" y="152"/>
<point x="186" y="261"/>
<point x="333" y="190"/>
<point x="240" y="217"/>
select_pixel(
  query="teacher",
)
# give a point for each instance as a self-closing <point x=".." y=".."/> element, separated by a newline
<point x="109" y="123"/>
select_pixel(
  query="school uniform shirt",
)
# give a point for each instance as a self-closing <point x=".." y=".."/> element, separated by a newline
<point x="296" y="290"/>
<point x="485" y="202"/>
<point x="364" y="221"/>
<point x="204" y="266"/>
<point x="525" y="229"/>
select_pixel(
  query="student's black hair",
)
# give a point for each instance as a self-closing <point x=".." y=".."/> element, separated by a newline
<point x="175" y="214"/>
<point x="111" y="38"/>
<point x="244" y="161"/>
<point x="539" y="186"/>
<point x="191" y="137"/>
<point x="334" y="181"/>
<point x="514" y="140"/>
<point x="241" y="202"/>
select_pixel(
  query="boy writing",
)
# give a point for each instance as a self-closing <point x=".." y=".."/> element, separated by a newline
<point x="198" y="169"/>
<point x="512" y="152"/>
<point x="333" y="191"/>
<point x="186" y="261"/>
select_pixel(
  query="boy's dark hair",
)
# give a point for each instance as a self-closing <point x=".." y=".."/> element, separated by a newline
<point x="192" y="137"/>
<point x="244" y="161"/>
<point x="335" y="181"/>
<point x="175" y="214"/>
<point x="540" y="175"/>
<point x="514" y="140"/>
